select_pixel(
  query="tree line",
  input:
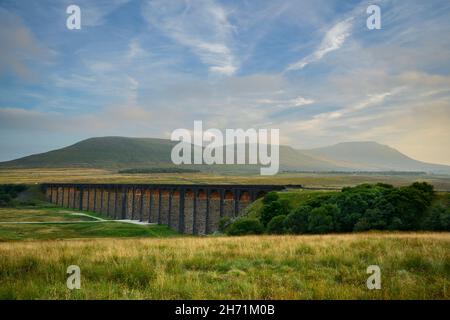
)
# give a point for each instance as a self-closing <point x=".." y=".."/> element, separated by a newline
<point x="354" y="209"/>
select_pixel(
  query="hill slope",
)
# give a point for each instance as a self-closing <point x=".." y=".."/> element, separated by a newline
<point x="122" y="152"/>
<point x="102" y="152"/>
<point x="372" y="156"/>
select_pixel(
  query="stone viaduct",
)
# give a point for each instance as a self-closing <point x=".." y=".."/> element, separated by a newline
<point x="192" y="209"/>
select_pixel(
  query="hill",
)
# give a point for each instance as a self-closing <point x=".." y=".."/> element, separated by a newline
<point x="372" y="156"/>
<point x="102" y="152"/>
<point x="123" y="152"/>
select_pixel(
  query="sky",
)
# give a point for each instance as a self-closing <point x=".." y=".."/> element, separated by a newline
<point x="145" y="68"/>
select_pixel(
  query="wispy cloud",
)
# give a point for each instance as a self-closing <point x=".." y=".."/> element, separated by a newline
<point x="135" y="50"/>
<point x="333" y="40"/>
<point x="94" y="13"/>
<point x="19" y="47"/>
<point x="201" y="26"/>
<point x="295" y="102"/>
<point x="124" y="73"/>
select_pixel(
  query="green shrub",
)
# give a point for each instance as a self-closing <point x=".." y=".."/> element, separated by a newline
<point x="8" y="192"/>
<point x="321" y="219"/>
<point x="276" y="225"/>
<point x="372" y="220"/>
<point x="270" y="197"/>
<point x="360" y="208"/>
<point x="273" y="209"/>
<point x="410" y="205"/>
<point x="245" y="226"/>
<point x="5" y="199"/>
<point x="224" y="223"/>
<point x="297" y="221"/>
<point x="438" y="219"/>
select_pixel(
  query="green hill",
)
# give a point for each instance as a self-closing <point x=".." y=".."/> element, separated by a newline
<point x="102" y="152"/>
<point x="128" y="153"/>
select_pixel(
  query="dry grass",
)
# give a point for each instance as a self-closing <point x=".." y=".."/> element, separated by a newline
<point x="413" y="265"/>
<point x="30" y="176"/>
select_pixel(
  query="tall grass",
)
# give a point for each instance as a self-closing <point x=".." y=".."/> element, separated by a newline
<point x="413" y="266"/>
<point x="86" y="175"/>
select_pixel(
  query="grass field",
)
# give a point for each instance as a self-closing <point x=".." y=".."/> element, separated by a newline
<point x="126" y="261"/>
<point x="413" y="266"/>
<point x="57" y="223"/>
<point x="30" y="176"/>
<point x="40" y="215"/>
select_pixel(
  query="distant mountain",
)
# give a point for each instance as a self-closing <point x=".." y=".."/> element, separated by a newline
<point x="123" y="152"/>
<point x="372" y="156"/>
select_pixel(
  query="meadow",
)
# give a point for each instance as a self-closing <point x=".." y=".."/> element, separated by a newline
<point x="413" y="266"/>
<point x="127" y="261"/>
<point x="314" y="180"/>
<point x="45" y="223"/>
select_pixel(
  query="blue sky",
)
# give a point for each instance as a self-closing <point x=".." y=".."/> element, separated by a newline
<point x="145" y="68"/>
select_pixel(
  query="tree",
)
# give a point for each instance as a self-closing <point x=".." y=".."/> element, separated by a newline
<point x="276" y="225"/>
<point x="224" y="223"/>
<point x="245" y="226"/>
<point x="270" y="197"/>
<point x="297" y="221"/>
<point x="372" y="220"/>
<point x="410" y="205"/>
<point x="438" y="219"/>
<point x="425" y="188"/>
<point x="352" y="205"/>
<point x="273" y="209"/>
<point x="321" y="219"/>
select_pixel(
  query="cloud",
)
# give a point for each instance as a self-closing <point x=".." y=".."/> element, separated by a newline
<point x="19" y="49"/>
<point x="135" y="50"/>
<point x="295" y="102"/>
<point x="324" y="124"/>
<point x="145" y="76"/>
<point x="94" y="13"/>
<point x="108" y="120"/>
<point x="200" y="26"/>
<point x="333" y="40"/>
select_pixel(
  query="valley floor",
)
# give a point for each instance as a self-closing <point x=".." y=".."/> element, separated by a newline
<point x="318" y="180"/>
<point x="49" y="223"/>
<point x="413" y="266"/>
<point x="126" y="261"/>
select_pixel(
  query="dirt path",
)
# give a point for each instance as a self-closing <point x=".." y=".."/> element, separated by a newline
<point x="96" y="220"/>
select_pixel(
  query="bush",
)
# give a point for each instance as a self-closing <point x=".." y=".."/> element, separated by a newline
<point x="425" y="188"/>
<point x="9" y="192"/>
<point x="273" y="209"/>
<point x="5" y="199"/>
<point x="270" y="197"/>
<point x="438" y="219"/>
<point x="321" y="219"/>
<point x="224" y="223"/>
<point x="410" y="205"/>
<point x="364" y="207"/>
<point x="372" y="220"/>
<point x="380" y="207"/>
<point x="297" y="221"/>
<point x="245" y="226"/>
<point x="276" y="225"/>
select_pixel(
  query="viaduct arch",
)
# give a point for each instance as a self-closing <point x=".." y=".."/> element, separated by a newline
<point x="192" y="209"/>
